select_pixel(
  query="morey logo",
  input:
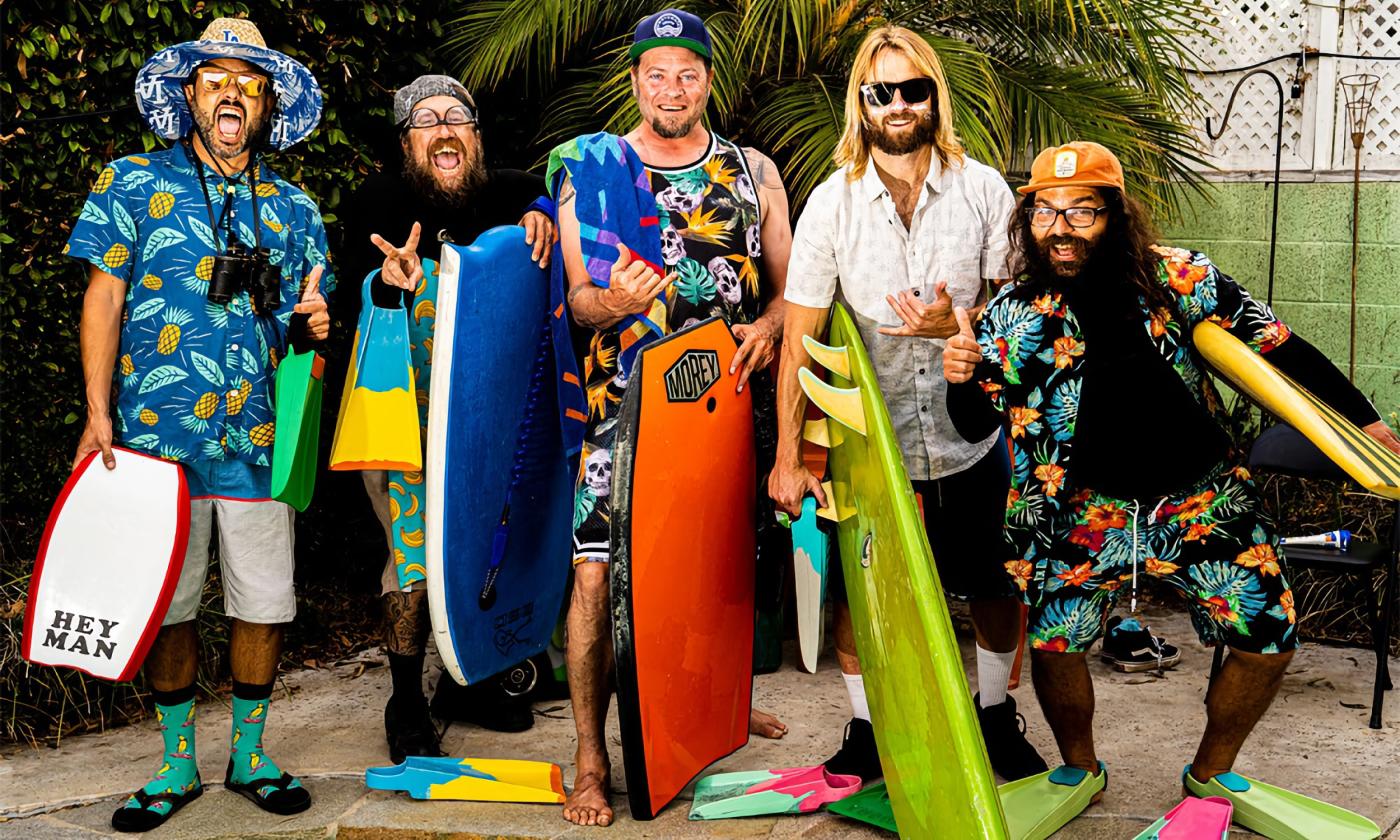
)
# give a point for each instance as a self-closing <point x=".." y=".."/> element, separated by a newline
<point x="82" y="626"/>
<point x="692" y="375"/>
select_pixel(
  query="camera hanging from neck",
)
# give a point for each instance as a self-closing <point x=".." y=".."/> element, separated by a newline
<point x="238" y="269"/>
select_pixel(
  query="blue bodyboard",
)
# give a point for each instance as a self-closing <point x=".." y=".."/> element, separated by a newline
<point x="499" y="491"/>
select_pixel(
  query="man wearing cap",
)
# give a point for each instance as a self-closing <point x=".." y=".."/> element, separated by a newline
<point x="193" y="362"/>
<point x="908" y="227"/>
<point x="722" y="214"/>
<point x="1123" y="466"/>
<point x="443" y="187"/>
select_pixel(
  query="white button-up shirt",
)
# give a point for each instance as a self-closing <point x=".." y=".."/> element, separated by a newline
<point x="850" y="245"/>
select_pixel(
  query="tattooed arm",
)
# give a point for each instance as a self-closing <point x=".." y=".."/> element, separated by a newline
<point x="631" y="286"/>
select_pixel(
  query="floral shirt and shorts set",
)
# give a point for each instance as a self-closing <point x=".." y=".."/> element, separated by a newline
<point x="194" y="379"/>
<point x="1078" y="533"/>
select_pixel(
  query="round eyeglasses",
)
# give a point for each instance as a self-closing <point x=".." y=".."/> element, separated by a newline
<point x="428" y="118"/>
<point x="1077" y="217"/>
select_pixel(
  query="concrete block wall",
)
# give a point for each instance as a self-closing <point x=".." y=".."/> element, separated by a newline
<point x="1312" y="276"/>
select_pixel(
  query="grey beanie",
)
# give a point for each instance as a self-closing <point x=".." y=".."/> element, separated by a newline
<point x="425" y="86"/>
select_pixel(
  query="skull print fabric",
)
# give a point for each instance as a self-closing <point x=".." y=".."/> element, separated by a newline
<point x="709" y="218"/>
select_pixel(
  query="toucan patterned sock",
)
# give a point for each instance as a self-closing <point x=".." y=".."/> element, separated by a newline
<point x="250" y="704"/>
<point x="178" y="771"/>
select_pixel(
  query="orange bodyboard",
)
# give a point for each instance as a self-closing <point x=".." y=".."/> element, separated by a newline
<point x="682" y="576"/>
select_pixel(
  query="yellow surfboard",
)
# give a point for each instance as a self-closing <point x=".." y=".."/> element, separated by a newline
<point x="1361" y="456"/>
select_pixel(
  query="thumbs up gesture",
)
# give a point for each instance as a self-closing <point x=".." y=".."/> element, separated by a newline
<point x="933" y="320"/>
<point x="962" y="353"/>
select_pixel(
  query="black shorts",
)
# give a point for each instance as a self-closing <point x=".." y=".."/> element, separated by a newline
<point x="963" y="517"/>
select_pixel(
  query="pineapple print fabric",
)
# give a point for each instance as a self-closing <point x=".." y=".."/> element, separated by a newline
<point x="1075" y="546"/>
<point x="194" y="380"/>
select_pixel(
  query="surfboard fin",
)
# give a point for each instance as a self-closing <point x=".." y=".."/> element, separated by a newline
<point x="833" y="359"/>
<point x="473" y="779"/>
<point x="840" y="404"/>
<point x="815" y="432"/>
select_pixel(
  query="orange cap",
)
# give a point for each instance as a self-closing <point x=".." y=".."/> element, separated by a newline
<point x="1077" y="164"/>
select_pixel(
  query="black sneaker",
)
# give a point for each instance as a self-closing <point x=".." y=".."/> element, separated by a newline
<point x="486" y="704"/>
<point x="1004" y="730"/>
<point x="858" y="755"/>
<point x="1130" y="646"/>
<point x="410" y="731"/>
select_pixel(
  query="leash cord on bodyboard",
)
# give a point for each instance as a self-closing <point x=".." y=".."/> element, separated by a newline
<point x="528" y="457"/>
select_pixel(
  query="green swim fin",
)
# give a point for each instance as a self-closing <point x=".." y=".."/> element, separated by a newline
<point x="871" y="806"/>
<point x="1281" y="814"/>
<point x="1038" y="806"/>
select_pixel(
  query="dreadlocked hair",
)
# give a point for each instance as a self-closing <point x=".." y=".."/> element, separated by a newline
<point x="1125" y="250"/>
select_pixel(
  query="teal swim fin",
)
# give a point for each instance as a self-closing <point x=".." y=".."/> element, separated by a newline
<point x="792" y="790"/>
<point x="1038" y="806"/>
<point x="1281" y="814"/>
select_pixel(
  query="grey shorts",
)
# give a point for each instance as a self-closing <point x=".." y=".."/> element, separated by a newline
<point x="255" y="560"/>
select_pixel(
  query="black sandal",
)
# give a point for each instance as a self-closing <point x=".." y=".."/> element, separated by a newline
<point x="282" y="799"/>
<point x="134" y="820"/>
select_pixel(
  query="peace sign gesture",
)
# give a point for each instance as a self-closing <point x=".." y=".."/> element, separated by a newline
<point x="401" y="268"/>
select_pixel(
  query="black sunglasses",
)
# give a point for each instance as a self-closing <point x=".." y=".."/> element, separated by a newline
<point x="912" y="91"/>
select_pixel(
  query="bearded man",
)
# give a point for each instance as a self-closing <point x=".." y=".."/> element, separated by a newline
<point x="1124" y="466"/>
<point x="443" y="188"/>
<point x="908" y="227"/>
<point x="194" y="367"/>
<point x="723" y="217"/>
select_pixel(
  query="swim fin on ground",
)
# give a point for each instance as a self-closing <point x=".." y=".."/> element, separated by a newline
<point x="475" y="779"/>
<point x="792" y="790"/>
<point x="1038" y="806"/>
<point x="1281" y="814"/>
<point x="1193" y="819"/>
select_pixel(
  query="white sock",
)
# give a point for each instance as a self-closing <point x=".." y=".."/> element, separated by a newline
<point x="855" y="689"/>
<point x="993" y="676"/>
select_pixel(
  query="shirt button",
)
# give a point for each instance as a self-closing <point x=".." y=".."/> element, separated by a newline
<point x="923" y="408"/>
<point x="916" y="293"/>
<point x="921" y="371"/>
<point x="233" y="346"/>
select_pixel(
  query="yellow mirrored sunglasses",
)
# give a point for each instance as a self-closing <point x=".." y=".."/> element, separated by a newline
<point x="213" y="81"/>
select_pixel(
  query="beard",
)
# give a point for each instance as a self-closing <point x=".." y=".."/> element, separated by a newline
<point x="253" y="132"/>
<point x="1042" y="265"/>
<point x="920" y="133"/>
<point x="445" y="187"/>
<point x="674" y="128"/>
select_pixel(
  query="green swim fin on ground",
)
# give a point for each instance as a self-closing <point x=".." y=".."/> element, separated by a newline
<point x="1038" y="806"/>
<point x="1281" y="814"/>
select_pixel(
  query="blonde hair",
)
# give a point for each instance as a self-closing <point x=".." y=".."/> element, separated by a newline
<point x="852" y="149"/>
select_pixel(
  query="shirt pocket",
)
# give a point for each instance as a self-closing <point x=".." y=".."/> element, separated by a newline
<point x="958" y="262"/>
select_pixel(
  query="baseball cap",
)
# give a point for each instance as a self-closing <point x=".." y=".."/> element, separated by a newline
<point x="671" y="28"/>
<point x="1076" y="164"/>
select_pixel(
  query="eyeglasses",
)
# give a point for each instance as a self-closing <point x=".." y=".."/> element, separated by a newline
<point x="213" y="81"/>
<point x="1077" y="217"/>
<point x="912" y="91"/>
<point x="428" y="118"/>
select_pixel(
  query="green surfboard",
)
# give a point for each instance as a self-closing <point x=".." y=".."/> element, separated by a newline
<point x="939" y="780"/>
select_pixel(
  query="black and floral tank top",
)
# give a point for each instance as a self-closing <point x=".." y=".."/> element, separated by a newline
<point x="709" y="216"/>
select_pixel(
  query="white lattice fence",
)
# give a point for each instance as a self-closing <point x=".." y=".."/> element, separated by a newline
<point x="1373" y="29"/>
<point x="1314" y="127"/>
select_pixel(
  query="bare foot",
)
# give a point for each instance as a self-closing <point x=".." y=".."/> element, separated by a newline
<point x="588" y="804"/>
<point x="765" y="725"/>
